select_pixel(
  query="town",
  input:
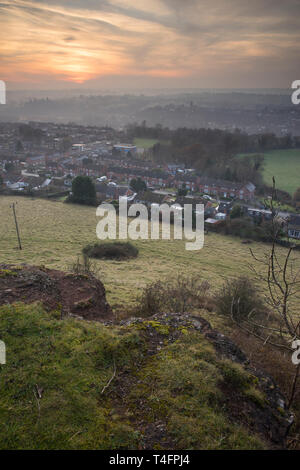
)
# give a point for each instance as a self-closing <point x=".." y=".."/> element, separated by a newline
<point x="42" y="160"/>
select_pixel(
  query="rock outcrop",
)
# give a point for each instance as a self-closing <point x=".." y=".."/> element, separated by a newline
<point x="269" y="418"/>
<point x="76" y="295"/>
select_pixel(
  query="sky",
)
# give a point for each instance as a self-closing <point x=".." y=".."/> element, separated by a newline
<point x="59" y="44"/>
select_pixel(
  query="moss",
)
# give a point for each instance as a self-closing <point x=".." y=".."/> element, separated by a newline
<point x="156" y="325"/>
<point x="183" y="330"/>
<point x="7" y="273"/>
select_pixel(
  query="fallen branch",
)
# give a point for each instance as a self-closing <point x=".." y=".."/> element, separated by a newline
<point x="110" y="380"/>
<point x="38" y="403"/>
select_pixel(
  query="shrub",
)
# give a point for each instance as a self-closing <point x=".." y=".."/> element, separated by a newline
<point x="84" y="266"/>
<point x="113" y="250"/>
<point x="239" y="297"/>
<point x="176" y="295"/>
<point x="244" y="227"/>
<point x="236" y="212"/>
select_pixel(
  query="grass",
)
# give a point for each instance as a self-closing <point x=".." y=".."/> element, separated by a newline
<point x="69" y="362"/>
<point x="285" y="166"/>
<point x="182" y="386"/>
<point x="146" y="143"/>
<point x="54" y="233"/>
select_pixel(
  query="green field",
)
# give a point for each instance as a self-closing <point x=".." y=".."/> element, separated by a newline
<point x="285" y="166"/>
<point x="53" y="234"/>
<point x="146" y="143"/>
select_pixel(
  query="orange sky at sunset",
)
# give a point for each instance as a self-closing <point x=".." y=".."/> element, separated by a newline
<point x="167" y="43"/>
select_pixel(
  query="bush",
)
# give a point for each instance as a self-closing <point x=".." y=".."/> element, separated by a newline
<point x="239" y="297"/>
<point x="236" y="212"/>
<point x="176" y="295"/>
<point x="245" y="227"/>
<point x="84" y="267"/>
<point x="113" y="250"/>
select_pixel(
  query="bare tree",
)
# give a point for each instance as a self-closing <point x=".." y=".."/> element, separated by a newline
<point x="281" y="326"/>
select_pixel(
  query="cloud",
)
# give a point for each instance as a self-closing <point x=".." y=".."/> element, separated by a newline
<point x="195" y="41"/>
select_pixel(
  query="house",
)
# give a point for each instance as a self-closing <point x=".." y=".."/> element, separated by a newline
<point x="19" y="186"/>
<point x="112" y="190"/>
<point x="191" y="200"/>
<point x="148" y="198"/>
<point x="37" y="160"/>
<point x="294" y="227"/>
<point x="226" y="189"/>
<point x="261" y="214"/>
<point x="220" y="216"/>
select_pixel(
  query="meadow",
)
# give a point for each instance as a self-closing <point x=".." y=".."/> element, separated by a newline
<point x="144" y="143"/>
<point x="147" y="143"/>
<point x="53" y="234"/>
<point x="285" y="166"/>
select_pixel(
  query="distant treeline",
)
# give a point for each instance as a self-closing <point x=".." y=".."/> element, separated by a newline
<point x="213" y="151"/>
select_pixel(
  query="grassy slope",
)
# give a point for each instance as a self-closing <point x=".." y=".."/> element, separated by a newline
<point x="285" y="166"/>
<point x="54" y="233"/>
<point x="71" y="361"/>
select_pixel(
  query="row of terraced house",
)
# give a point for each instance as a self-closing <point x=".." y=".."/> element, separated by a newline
<point x="194" y="183"/>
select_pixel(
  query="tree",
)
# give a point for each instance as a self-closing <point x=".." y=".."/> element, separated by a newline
<point x="87" y="162"/>
<point x="19" y="146"/>
<point x="83" y="191"/>
<point x="236" y="212"/>
<point x="138" y="185"/>
<point x="66" y="144"/>
<point x="281" y="276"/>
<point x="296" y="196"/>
<point x="9" y="166"/>
<point x="182" y="191"/>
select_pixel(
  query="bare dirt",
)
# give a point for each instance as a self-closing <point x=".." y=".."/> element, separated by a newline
<point x="75" y="295"/>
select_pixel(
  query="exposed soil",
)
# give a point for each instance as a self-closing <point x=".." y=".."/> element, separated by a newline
<point x="78" y="295"/>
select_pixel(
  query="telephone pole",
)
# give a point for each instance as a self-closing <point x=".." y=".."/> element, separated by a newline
<point x="16" y="222"/>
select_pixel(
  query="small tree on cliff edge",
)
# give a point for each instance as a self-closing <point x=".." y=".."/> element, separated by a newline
<point x="83" y="191"/>
<point x="280" y="272"/>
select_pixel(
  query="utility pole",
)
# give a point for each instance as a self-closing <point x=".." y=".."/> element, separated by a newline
<point x="16" y="222"/>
